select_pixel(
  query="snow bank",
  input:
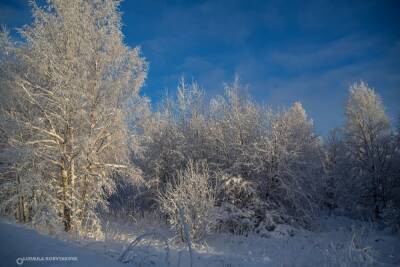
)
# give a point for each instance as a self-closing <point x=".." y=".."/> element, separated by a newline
<point x="18" y="242"/>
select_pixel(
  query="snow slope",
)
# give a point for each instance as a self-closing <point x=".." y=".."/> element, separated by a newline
<point x="338" y="241"/>
<point x="18" y="242"/>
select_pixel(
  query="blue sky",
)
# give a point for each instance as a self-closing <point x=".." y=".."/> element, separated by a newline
<point x="285" y="51"/>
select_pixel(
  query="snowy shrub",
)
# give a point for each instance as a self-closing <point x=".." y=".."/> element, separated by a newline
<point x="236" y="220"/>
<point x="241" y="210"/>
<point x="191" y="191"/>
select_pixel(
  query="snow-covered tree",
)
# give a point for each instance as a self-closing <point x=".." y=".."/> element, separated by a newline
<point x="277" y="152"/>
<point x="72" y="87"/>
<point x="294" y="166"/>
<point x="369" y="141"/>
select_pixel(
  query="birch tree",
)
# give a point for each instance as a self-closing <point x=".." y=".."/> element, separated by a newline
<point x="74" y="84"/>
<point x="369" y="142"/>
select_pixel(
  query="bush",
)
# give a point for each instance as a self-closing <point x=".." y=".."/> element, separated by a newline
<point x="241" y="210"/>
<point x="192" y="192"/>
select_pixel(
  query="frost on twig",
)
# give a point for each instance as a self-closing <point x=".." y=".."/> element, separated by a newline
<point x="125" y="254"/>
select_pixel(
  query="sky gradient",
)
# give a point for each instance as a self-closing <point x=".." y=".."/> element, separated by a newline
<point x="284" y="51"/>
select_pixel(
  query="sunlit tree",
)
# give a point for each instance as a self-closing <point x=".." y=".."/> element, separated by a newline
<point x="369" y="142"/>
<point x="72" y="85"/>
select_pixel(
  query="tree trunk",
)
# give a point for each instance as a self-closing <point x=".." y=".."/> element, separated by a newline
<point x="66" y="209"/>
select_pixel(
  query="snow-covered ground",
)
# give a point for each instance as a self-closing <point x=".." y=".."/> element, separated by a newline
<point x="18" y="242"/>
<point x="338" y="242"/>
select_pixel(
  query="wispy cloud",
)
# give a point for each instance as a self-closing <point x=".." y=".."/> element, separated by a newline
<point x="311" y="56"/>
<point x="323" y="93"/>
